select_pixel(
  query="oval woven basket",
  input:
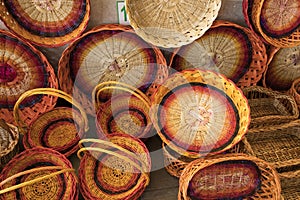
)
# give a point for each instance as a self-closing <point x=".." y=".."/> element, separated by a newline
<point x="229" y="176"/>
<point x="38" y="173"/>
<point x="171" y="23"/>
<point x="59" y="129"/>
<point x="198" y="113"/>
<point x="50" y="23"/>
<point x="241" y="56"/>
<point x="109" y="53"/>
<point x="124" y="113"/>
<point x="9" y="138"/>
<point x="275" y="21"/>
<point x="290" y="182"/>
<point x="295" y="91"/>
<point x="23" y="67"/>
<point x="115" y="168"/>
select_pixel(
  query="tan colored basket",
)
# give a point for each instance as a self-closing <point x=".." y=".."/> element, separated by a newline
<point x="242" y="56"/>
<point x="276" y="22"/>
<point x="290" y="182"/>
<point x="232" y="178"/>
<point x="295" y="91"/>
<point x="171" y="23"/>
<point x="49" y="23"/>
<point x="109" y="52"/>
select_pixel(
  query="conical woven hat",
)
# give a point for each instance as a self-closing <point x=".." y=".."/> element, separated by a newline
<point x="171" y="23"/>
<point x="47" y="22"/>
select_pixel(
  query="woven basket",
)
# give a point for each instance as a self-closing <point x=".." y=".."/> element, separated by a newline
<point x="295" y="91"/>
<point x="171" y="23"/>
<point x="115" y="168"/>
<point x="229" y="176"/>
<point x="110" y="53"/>
<point x="198" y="112"/>
<point x="23" y="67"/>
<point x="241" y="57"/>
<point x="269" y="107"/>
<point x="38" y="173"/>
<point x="49" y="23"/>
<point x="9" y="137"/>
<point x="123" y="113"/>
<point x="59" y="129"/>
<point x="276" y="22"/>
<point x="290" y="182"/>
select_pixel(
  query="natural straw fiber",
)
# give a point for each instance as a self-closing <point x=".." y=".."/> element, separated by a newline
<point x="9" y="137"/>
<point x="295" y="91"/>
<point x="171" y="23"/>
<point x="241" y="56"/>
<point x="38" y="173"/>
<point x="110" y="53"/>
<point x="290" y="182"/>
<point x="124" y="113"/>
<point x="59" y="129"/>
<point x="275" y="21"/>
<point x="23" y="67"/>
<point x="115" y="168"/>
<point x="49" y="23"/>
<point x="198" y="112"/>
<point x="229" y="176"/>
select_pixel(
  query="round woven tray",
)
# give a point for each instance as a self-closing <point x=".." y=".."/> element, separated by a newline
<point x="115" y="168"/>
<point x="49" y="23"/>
<point x="38" y="173"/>
<point x="59" y="129"/>
<point x="275" y="21"/>
<point x="23" y="67"/>
<point x="9" y="137"/>
<point x="171" y="23"/>
<point x="295" y="91"/>
<point x="228" y="176"/>
<point x="198" y="112"/>
<point x="124" y="113"/>
<point x="241" y="56"/>
<point x="109" y="53"/>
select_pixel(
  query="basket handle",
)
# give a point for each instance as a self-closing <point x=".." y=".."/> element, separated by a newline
<point x="5" y="126"/>
<point x="18" y="186"/>
<point x="120" y="86"/>
<point x="48" y="91"/>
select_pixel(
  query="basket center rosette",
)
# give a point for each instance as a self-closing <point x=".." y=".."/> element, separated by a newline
<point x="198" y="112"/>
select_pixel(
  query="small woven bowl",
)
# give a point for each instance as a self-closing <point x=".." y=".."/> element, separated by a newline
<point x="9" y="138"/>
<point x="115" y="168"/>
<point x="295" y="91"/>
<point x="23" y="67"/>
<point x="171" y="23"/>
<point x="59" y="129"/>
<point x="109" y="53"/>
<point x="38" y="173"/>
<point x="49" y="23"/>
<point x="241" y="57"/>
<point x="199" y="113"/>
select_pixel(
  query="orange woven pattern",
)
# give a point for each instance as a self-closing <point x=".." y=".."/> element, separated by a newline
<point x="295" y="91"/>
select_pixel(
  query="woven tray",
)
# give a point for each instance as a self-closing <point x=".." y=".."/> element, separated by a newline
<point x="198" y="112"/>
<point x="124" y="113"/>
<point x="290" y="182"/>
<point x="109" y="53"/>
<point x="115" y="168"/>
<point x="295" y="91"/>
<point x="49" y="23"/>
<point x="276" y="22"/>
<point x="59" y="129"/>
<point x="232" y="175"/>
<point x="23" y="67"/>
<point x="38" y="173"/>
<point x="241" y="57"/>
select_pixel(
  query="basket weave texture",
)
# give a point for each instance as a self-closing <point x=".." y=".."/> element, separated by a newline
<point x="295" y="91"/>
<point x="290" y="182"/>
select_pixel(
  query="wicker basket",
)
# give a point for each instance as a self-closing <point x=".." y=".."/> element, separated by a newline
<point x="269" y="107"/>
<point x="295" y="91"/>
<point x="198" y="113"/>
<point x="290" y="182"/>
<point x="229" y="176"/>
<point x="115" y="168"/>
<point x="109" y="53"/>
<point x="49" y="23"/>
<point x="241" y="57"/>
<point x="59" y="129"/>
<point x="124" y="113"/>
<point x="171" y="23"/>
<point x="23" y="67"/>
<point x="263" y="18"/>
<point x="9" y="137"/>
<point x="38" y="173"/>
